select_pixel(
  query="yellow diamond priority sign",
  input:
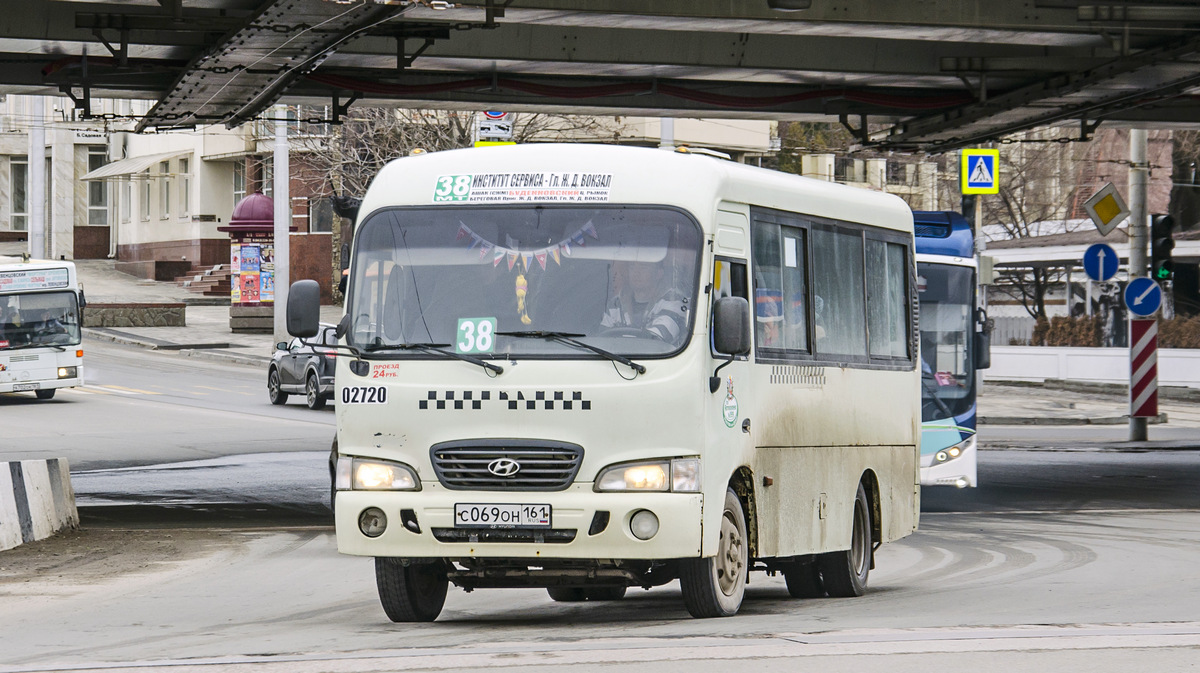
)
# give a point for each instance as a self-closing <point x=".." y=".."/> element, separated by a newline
<point x="980" y="171"/>
<point x="1107" y="209"/>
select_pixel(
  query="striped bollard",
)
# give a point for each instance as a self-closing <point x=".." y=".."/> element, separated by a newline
<point x="1143" y="368"/>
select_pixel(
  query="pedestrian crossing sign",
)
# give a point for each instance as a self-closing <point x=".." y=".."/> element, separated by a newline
<point x="980" y="171"/>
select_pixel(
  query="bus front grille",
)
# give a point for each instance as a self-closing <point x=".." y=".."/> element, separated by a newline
<point x="531" y="535"/>
<point x="506" y="465"/>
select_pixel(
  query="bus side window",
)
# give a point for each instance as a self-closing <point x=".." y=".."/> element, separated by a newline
<point x="729" y="280"/>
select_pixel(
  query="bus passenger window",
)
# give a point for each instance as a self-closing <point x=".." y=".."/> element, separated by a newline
<point x="887" y="303"/>
<point x="838" y="282"/>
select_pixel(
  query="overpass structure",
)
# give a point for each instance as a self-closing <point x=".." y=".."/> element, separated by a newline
<point x="911" y="75"/>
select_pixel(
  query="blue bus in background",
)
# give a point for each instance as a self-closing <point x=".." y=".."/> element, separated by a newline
<point x="954" y="345"/>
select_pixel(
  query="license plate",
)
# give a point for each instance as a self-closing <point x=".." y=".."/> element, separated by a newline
<point x="27" y="386"/>
<point x="501" y="516"/>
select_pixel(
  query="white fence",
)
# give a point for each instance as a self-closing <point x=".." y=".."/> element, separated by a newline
<point x="1176" y="366"/>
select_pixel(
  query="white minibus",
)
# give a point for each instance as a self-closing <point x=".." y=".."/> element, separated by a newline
<point x="588" y="368"/>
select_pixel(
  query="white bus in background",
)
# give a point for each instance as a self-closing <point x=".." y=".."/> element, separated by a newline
<point x="517" y="409"/>
<point x="41" y="312"/>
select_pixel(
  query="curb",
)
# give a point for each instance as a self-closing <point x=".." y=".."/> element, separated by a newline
<point x="1071" y="420"/>
<point x="36" y="500"/>
<point x="225" y="356"/>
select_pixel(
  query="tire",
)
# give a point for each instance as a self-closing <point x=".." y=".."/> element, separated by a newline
<point x="714" y="587"/>
<point x="605" y="593"/>
<point x="567" y="594"/>
<point x="413" y="593"/>
<point x="45" y="394"/>
<point x="312" y="392"/>
<point x="804" y="580"/>
<point x="274" y="391"/>
<point x="844" y="573"/>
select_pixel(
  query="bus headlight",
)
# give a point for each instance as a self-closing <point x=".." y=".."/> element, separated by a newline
<point x="681" y="475"/>
<point x="362" y="474"/>
<point x="67" y="372"/>
<point x="950" y="453"/>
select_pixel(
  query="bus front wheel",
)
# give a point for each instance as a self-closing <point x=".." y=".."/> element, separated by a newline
<point x="411" y="593"/>
<point x="844" y="573"/>
<point x="714" y="587"/>
<point x="44" y="394"/>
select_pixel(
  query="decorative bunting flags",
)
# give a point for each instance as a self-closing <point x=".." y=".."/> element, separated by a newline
<point x="499" y="253"/>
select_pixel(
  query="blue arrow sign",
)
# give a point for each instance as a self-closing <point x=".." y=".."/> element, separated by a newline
<point x="1100" y="262"/>
<point x="1143" y="296"/>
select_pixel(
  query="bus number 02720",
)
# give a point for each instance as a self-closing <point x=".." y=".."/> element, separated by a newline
<point x="364" y="395"/>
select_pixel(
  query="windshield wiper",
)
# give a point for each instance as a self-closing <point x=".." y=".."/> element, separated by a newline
<point x="569" y="338"/>
<point x="434" y="348"/>
<point x="33" y="345"/>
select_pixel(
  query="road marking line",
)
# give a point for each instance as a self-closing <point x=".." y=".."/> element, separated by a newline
<point x="129" y="391"/>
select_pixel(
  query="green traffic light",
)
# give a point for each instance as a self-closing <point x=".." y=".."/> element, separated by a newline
<point x="1162" y="274"/>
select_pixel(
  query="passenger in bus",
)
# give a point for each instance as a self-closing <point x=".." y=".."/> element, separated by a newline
<point x="644" y="300"/>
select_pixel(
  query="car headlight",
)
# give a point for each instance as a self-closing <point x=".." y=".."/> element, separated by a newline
<point x="681" y="475"/>
<point x="366" y="474"/>
<point x="67" y="372"/>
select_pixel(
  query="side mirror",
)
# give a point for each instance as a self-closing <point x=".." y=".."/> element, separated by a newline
<point x="82" y="300"/>
<point x="281" y="346"/>
<point x="731" y="325"/>
<point x="343" y="326"/>
<point x="983" y="341"/>
<point x="304" y="309"/>
<point x="983" y="350"/>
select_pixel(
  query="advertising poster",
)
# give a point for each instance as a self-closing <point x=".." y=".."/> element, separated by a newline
<point x="266" y="280"/>
<point x="250" y="288"/>
<point x="250" y="258"/>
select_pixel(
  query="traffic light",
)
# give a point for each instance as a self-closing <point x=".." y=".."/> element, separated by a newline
<point x="1161" y="245"/>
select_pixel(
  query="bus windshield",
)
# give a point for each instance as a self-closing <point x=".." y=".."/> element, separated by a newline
<point x="39" y="319"/>
<point x="947" y="369"/>
<point x="623" y="279"/>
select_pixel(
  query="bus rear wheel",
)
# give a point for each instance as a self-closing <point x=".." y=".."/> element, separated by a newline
<point x="844" y="573"/>
<point x="714" y="587"/>
<point x="44" y="394"/>
<point x="803" y="580"/>
<point x="411" y="593"/>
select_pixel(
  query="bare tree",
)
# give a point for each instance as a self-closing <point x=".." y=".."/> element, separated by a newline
<point x="345" y="158"/>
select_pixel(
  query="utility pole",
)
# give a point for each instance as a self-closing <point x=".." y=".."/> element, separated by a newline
<point x="1139" y="171"/>
<point x="283" y="222"/>
<point x="37" y="180"/>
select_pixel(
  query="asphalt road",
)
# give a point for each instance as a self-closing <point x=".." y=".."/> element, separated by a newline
<point x="1065" y="560"/>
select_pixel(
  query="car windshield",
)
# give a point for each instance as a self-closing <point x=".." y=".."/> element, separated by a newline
<point x="39" y="319"/>
<point x="623" y="279"/>
<point x="947" y="367"/>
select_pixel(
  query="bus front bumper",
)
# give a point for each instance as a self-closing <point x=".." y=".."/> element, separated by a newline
<point x="16" y="386"/>
<point x="421" y="524"/>
<point x="959" y="471"/>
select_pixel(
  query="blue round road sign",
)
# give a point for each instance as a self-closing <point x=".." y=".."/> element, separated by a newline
<point x="1100" y="262"/>
<point x="495" y="114"/>
<point x="1143" y="296"/>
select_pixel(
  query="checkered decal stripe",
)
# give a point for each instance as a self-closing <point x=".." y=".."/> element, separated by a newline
<point x="798" y="376"/>
<point x="554" y="400"/>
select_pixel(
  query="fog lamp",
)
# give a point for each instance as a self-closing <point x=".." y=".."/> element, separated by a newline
<point x="372" y="522"/>
<point x="643" y="524"/>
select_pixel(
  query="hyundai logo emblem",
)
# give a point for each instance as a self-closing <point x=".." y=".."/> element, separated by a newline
<point x="504" y="467"/>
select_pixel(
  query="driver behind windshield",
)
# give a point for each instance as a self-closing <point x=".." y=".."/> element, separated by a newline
<point x="644" y="300"/>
